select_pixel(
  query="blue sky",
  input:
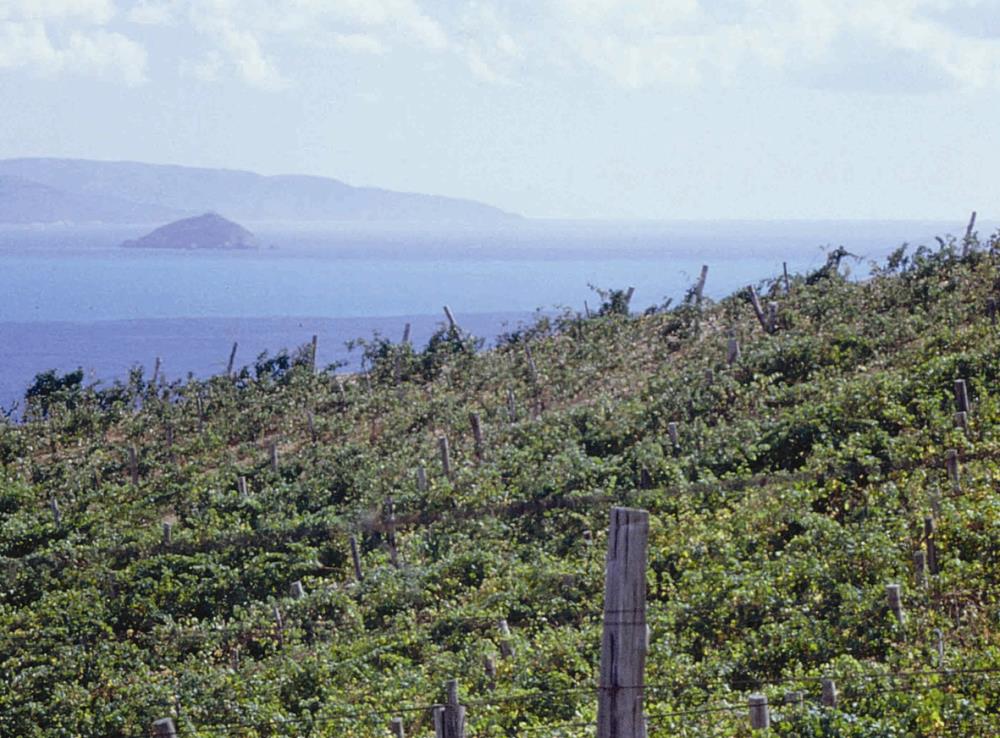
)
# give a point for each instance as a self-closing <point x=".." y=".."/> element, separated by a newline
<point x="559" y="108"/>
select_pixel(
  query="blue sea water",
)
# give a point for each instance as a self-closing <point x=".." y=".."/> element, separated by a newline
<point x="73" y="298"/>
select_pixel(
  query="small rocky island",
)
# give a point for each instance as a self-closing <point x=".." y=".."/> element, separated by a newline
<point x="208" y="231"/>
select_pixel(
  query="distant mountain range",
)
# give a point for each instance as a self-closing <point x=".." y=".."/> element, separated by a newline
<point x="81" y="191"/>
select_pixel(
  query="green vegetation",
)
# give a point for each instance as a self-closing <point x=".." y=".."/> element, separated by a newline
<point x="796" y="492"/>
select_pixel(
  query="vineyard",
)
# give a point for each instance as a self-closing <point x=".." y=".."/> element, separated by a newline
<point x="283" y="550"/>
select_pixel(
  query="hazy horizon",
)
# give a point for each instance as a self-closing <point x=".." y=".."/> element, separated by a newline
<point x="608" y="109"/>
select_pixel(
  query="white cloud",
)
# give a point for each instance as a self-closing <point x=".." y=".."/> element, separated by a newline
<point x="95" y="52"/>
<point x="690" y="42"/>
<point x="96" y="12"/>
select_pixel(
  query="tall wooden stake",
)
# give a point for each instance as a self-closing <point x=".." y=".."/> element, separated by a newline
<point x="699" y="288"/>
<point x="445" y="455"/>
<point x="164" y="728"/>
<point x="961" y="396"/>
<point x="232" y="359"/>
<point x="452" y="324"/>
<point x="477" y="434"/>
<point x="624" y="640"/>
<point x="453" y="721"/>
<point x="312" y="352"/>
<point x="356" y="559"/>
<point x="757" y="309"/>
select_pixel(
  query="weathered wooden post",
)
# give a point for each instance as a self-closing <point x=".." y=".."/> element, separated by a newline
<point x="273" y="452"/>
<point x="167" y="533"/>
<point x="893" y="595"/>
<point x="828" y="695"/>
<point x="511" y="406"/>
<point x="156" y="373"/>
<point x="930" y="543"/>
<point x="532" y="369"/>
<point x="389" y="517"/>
<point x="232" y="360"/>
<point x="396" y="727"/>
<point x="772" y="317"/>
<point x="421" y="478"/>
<point x="732" y="351"/>
<point x="241" y="487"/>
<point x="940" y="647"/>
<point x="970" y="229"/>
<point x="56" y="514"/>
<point x="699" y="288"/>
<point x="312" y="352"/>
<point x="279" y="625"/>
<point x="406" y="334"/>
<point x="164" y="728"/>
<point x="445" y="455"/>
<point x="793" y="697"/>
<point x="477" y="434"/>
<point x="962" y="421"/>
<point x="760" y="715"/>
<point x="506" y="647"/>
<point x="788" y="284"/>
<point x="624" y="638"/>
<point x="296" y="590"/>
<point x="961" y="396"/>
<point x="951" y="464"/>
<point x="757" y="309"/>
<point x="920" y="567"/>
<point x="453" y="721"/>
<point x="452" y="324"/>
<point x="490" y="668"/>
<point x="628" y="297"/>
<point x="674" y="435"/>
<point x="991" y="310"/>
<point x="133" y="464"/>
<point x="356" y="559"/>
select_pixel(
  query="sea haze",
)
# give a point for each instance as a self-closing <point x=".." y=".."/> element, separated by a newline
<point x="74" y="298"/>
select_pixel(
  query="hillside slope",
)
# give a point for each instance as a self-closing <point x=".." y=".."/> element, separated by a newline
<point x="244" y="195"/>
<point x="796" y="490"/>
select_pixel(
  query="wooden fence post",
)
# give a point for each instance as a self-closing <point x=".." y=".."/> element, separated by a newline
<point x="133" y="464"/>
<point x="356" y="559"/>
<point x="454" y="713"/>
<point x="732" y="351"/>
<point x="674" y="435"/>
<point x="437" y="711"/>
<point x="940" y="647"/>
<point x="961" y="396"/>
<point x="760" y="715"/>
<point x="624" y="637"/>
<point x="893" y="594"/>
<point x="628" y="297"/>
<point x="164" y="728"/>
<point x="828" y="697"/>
<point x="312" y="352"/>
<point x="273" y="452"/>
<point x="452" y="324"/>
<point x="279" y="624"/>
<point x="241" y="487"/>
<point x="793" y="697"/>
<point x="699" y="287"/>
<point x="506" y="647"/>
<point x="389" y="518"/>
<point x="772" y="317"/>
<point x="970" y="229"/>
<point x="951" y="464"/>
<point x="296" y="590"/>
<point x="445" y="455"/>
<point x="991" y="310"/>
<point x="421" y="478"/>
<point x="167" y="533"/>
<point x="490" y="668"/>
<point x="788" y="284"/>
<point x="511" y="406"/>
<point x="477" y="434"/>
<point x="156" y="373"/>
<point x="56" y="514"/>
<point x="920" y="567"/>
<point x="532" y="369"/>
<point x="396" y="726"/>
<point x="757" y="309"/>
<point x="232" y="360"/>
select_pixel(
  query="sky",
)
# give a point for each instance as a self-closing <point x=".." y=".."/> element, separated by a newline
<point x="649" y="109"/>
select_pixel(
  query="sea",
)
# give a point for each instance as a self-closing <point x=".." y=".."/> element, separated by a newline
<point x="72" y="297"/>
